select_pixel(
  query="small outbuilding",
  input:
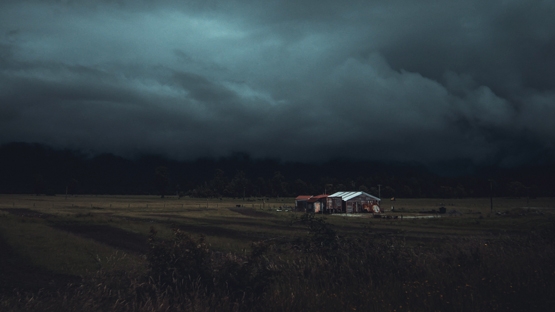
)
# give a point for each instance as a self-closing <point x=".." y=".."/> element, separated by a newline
<point x="317" y="204"/>
<point x="301" y="202"/>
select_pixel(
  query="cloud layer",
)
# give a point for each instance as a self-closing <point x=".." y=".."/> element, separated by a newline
<point x="305" y="80"/>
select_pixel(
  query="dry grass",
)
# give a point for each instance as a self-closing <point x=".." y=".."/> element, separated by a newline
<point x="476" y="261"/>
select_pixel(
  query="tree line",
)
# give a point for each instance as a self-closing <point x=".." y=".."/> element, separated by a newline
<point x="39" y="169"/>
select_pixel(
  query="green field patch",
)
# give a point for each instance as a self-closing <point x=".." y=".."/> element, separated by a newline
<point x="41" y="245"/>
<point x="218" y="232"/>
<point x="16" y="272"/>
<point x="112" y="236"/>
<point x="24" y="212"/>
<point x="251" y="212"/>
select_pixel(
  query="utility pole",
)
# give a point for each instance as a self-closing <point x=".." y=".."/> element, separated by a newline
<point x="379" y="191"/>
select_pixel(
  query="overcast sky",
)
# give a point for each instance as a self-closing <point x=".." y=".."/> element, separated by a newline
<point x="401" y="80"/>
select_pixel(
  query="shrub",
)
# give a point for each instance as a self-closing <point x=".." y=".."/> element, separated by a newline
<point x="187" y="266"/>
<point x="181" y="263"/>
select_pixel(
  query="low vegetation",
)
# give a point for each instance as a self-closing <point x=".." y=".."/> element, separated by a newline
<point x="301" y="262"/>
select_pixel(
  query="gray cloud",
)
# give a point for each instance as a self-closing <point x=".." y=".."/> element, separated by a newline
<point x="303" y="80"/>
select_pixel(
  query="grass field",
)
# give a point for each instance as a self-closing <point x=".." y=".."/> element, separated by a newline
<point x="49" y="241"/>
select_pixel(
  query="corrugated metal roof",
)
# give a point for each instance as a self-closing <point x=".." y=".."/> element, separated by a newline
<point x="303" y="197"/>
<point x="338" y="194"/>
<point x="350" y="195"/>
<point x="341" y="194"/>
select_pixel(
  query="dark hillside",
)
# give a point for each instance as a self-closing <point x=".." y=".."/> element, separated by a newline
<point x="33" y="168"/>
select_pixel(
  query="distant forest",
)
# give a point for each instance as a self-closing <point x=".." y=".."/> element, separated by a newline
<point x="38" y="169"/>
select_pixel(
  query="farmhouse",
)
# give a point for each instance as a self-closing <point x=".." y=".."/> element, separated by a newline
<point x="352" y="202"/>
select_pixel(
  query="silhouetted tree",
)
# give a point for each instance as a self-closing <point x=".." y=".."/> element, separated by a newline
<point x="161" y="180"/>
<point x="219" y="182"/>
<point x="300" y="187"/>
<point x="517" y="189"/>
<point x="328" y="188"/>
<point x="238" y="185"/>
<point x="73" y="186"/>
<point x="277" y="184"/>
<point x="178" y="191"/>
<point x="340" y="187"/>
<point x="261" y="187"/>
<point x="38" y="185"/>
<point x="388" y="191"/>
<point x="407" y="191"/>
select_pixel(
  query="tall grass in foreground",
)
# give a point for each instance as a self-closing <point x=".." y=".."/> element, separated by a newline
<point x="321" y="272"/>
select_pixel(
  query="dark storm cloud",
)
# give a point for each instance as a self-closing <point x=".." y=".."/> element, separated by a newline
<point x="305" y="80"/>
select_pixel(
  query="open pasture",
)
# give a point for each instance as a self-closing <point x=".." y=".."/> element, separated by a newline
<point x="123" y="222"/>
<point x="238" y="218"/>
<point x="48" y="241"/>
